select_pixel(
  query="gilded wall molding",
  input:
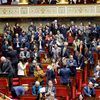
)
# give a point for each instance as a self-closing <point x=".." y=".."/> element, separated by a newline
<point x="50" y="11"/>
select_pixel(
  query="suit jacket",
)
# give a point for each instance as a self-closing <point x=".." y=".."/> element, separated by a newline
<point x="7" y="67"/>
<point x="65" y="52"/>
<point x="65" y="75"/>
<point x="56" y="52"/>
<point x="72" y="67"/>
<point x="80" y="61"/>
<point x="24" y="55"/>
<point x="13" y="56"/>
<point x="42" y="45"/>
<point x="89" y="92"/>
<point x="50" y="75"/>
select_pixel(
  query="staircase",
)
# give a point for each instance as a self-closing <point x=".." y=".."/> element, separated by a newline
<point x="15" y="81"/>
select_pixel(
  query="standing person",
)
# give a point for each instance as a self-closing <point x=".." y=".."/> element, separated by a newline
<point x="13" y="57"/>
<point x="65" y="52"/>
<point x="17" y="28"/>
<point x="72" y="64"/>
<point x="22" y="67"/>
<point x="51" y="75"/>
<point x="80" y="60"/>
<point x="56" y="52"/>
<point x="32" y="68"/>
<point x="39" y="74"/>
<point x="24" y="53"/>
<point x="6" y="68"/>
<point x="65" y="74"/>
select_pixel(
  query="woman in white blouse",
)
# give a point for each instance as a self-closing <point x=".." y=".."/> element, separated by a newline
<point x="22" y="68"/>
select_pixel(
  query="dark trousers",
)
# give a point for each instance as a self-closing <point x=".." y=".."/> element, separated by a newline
<point x="13" y="93"/>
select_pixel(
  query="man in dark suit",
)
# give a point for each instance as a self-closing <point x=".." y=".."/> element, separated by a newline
<point x="89" y="90"/>
<point x="65" y="74"/>
<point x="72" y="64"/>
<point x="6" y="68"/>
<point x="50" y="73"/>
<point x="79" y="59"/>
<point x="12" y="54"/>
<point x="41" y="44"/>
<point x="65" y="51"/>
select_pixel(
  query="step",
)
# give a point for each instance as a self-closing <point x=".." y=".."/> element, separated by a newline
<point x="15" y="83"/>
<point x="15" y="79"/>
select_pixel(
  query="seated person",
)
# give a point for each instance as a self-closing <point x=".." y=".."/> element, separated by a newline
<point x="36" y="88"/>
<point x="51" y="97"/>
<point x="50" y="89"/>
<point x="96" y="76"/>
<point x="89" y="90"/>
<point x="18" y="91"/>
<point x="80" y="97"/>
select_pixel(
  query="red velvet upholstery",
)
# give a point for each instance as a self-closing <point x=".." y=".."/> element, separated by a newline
<point x="3" y="82"/>
<point x="97" y="93"/>
<point x="4" y="90"/>
<point x="28" y="98"/>
<point x="79" y="79"/>
<point x="27" y="80"/>
<point x="95" y="57"/>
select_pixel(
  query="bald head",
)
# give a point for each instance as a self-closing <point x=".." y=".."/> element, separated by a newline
<point x="3" y="59"/>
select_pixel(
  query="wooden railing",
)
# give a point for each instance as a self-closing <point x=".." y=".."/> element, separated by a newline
<point x="29" y="11"/>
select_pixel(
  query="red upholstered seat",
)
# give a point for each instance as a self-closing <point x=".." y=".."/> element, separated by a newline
<point x="62" y="91"/>
<point x="97" y="93"/>
<point x="3" y="82"/>
<point x="4" y="90"/>
<point x="79" y="79"/>
<point x="27" y="80"/>
<point x="28" y="98"/>
<point x="95" y="57"/>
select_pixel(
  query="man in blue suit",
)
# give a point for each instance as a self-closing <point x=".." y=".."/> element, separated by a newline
<point x="79" y="59"/>
<point x="65" y="74"/>
<point x="72" y="64"/>
<point x="89" y="90"/>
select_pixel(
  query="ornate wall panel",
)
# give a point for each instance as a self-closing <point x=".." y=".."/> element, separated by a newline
<point x="50" y="11"/>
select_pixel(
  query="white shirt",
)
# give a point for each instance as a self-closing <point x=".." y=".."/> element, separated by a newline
<point x="21" y="68"/>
